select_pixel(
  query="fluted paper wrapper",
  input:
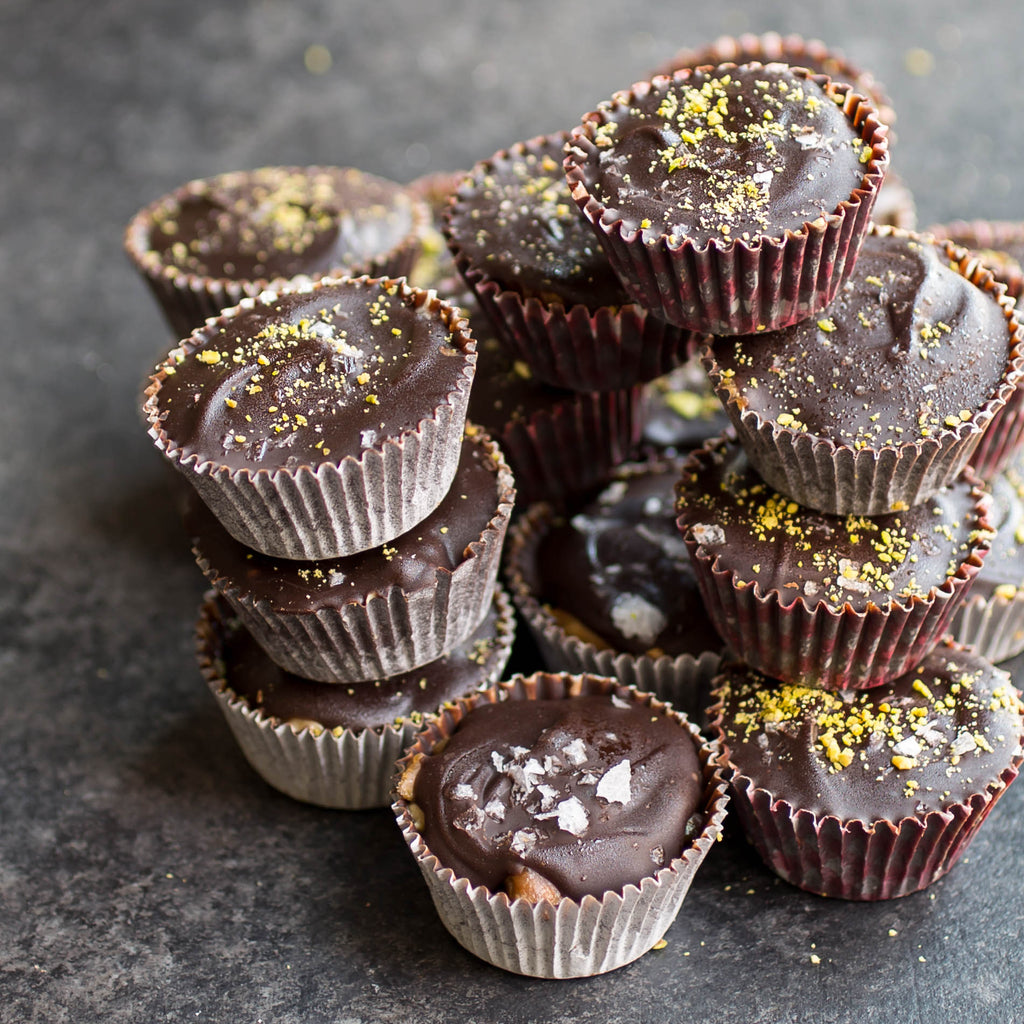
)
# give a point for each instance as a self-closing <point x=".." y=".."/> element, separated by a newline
<point x="841" y="480"/>
<point x="334" y="508"/>
<point x="683" y="681"/>
<point x="792" y="49"/>
<point x="188" y="299"/>
<point x="858" y="860"/>
<point x="601" y="349"/>
<point x="571" y="939"/>
<point x="393" y="631"/>
<point x="993" y="626"/>
<point x="562" y="452"/>
<point x="740" y="287"/>
<point x="826" y="647"/>
<point x="342" y="769"/>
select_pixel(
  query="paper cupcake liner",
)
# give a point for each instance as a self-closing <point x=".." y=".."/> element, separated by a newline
<point x="790" y="49"/>
<point x="683" y="681"/>
<point x="828" y="648"/>
<point x="571" y="939"/>
<point x="391" y="631"/>
<point x="987" y="239"/>
<point x="188" y="299"/>
<point x="564" y="451"/>
<point x="993" y="626"/>
<point x="739" y="288"/>
<point x="894" y="204"/>
<point x="604" y="349"/>
<point x="344" y="769"/>
<point x="334" y="508"/>
<point x="841" y="480"/>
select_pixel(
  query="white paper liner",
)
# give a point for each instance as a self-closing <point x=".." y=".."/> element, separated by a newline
<point x="994" y="627"/>
<point x="391" y="632"/>
<point x="683" y="681"/>
<point x="334" y="508"/>
<point x="342" y="769"/>
<point x="572" y="939"/>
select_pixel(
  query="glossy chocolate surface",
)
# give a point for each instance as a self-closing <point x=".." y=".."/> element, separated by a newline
<point x="683" y="410"/>
<point x="930" y="739"/>
<point x="591" y="793"/>
<point x="515" y="221"/>
<point x="252" y="676"/>
<point x="767" y="539"/>
<point x="726" y="153"/>
<point x="311" y="377"/>
<point x="909" y="348"/>
<point x="620" y="567"/>
<point x="438" y="544"/>
<point x="1003" y="570"/>
<point x="278" y="222"/>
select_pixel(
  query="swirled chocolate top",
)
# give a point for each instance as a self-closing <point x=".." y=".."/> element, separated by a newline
<point x="279" y="222"/>
<point x="312" y="376"/>
<point x="766" y="539"/>
<point x="932" y="738"/>
<point x="252" y="676"/>
<point x="620" y="567"/>
<point x="724" y="153"/>
<point x="590" y="793"/>
<point x="908" y="349"/>
<point x="514" y="220"/>
<point x="438" y="544"/>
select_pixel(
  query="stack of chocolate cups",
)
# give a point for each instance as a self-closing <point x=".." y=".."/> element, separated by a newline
<point x="564" y="353"/>
<point x="861" y="368"/>
<point x="349" y="519"/>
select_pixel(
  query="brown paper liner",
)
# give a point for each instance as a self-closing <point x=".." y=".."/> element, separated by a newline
<point x="188" y="299"/>
<point x="562" y="452"/>
<point x="344" y="769"/>
<point x="333" y="508"/>
<point x="855" y="860"/>
<point x="841" y="480"/>
<point x="683" y="681"/>
<point x="825" y="647"/>
<point x="392" y="631"/>
<point x="740" y="287"/>
<point x="571" y="939"/>
<point x="603" y="349"/>
<point x="790" y="49"/>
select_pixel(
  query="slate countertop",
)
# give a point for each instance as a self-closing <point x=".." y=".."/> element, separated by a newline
<point x="146" y="873"/>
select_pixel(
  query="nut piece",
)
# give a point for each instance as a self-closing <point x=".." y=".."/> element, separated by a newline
<point x="407" y="781"/>
<point x="530" y="886"/>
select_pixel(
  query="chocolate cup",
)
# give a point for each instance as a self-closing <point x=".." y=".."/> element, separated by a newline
<point x="334" y="508"/>
<point x="683" y="681"/>
<point x="993" y="626"/>
<point x="854" y="860"/>
<point x="792" y="49"/>
<point x="568" y="346"/>
<point x="391" y="631"/>
<point x="571" y="939"/>
<point x="826" y="647"/>
<point x="740" y="287"/>
<point x="188" y="299"/>
<point x="343" y="769"/>
<point x="842" y="480"/>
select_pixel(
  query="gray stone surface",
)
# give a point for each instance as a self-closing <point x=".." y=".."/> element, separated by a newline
<point x="146" y="874"/>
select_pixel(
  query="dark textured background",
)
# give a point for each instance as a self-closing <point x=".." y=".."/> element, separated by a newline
<point x="146" y="874"/>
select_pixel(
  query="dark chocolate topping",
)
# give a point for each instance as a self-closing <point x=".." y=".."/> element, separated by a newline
<point x="438" y="544"/>
<point x="726" y="153"/>
<point x="930" y="739"/>
<point x="908" y="349"/>
<point x="515" y="221"/>
<point x="1002" y="572"/>
<point x="252" y="676"/>
<point x="279" y="222"/>
<point x="589" y="792"/>
<point x="766" y="538"/>
<point x="621" y="568"/>
<point x="683" y="410"/>
<point x="312" y="376"/>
